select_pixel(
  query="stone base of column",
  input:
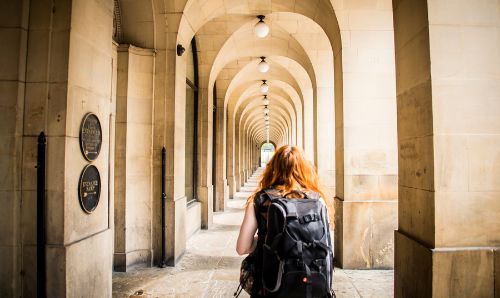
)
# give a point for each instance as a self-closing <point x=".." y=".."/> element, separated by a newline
<point x="231" y="187"/>
<point x="205" y="196"/>
<point x="122" y="262"/>
<point x="226" y="194"/>
<point x="242" y="178"/>
<point x="176" y="229"/>
<point x="364" y="234"/>
<point x="222" y="195"/>
<point x="69" y="266"/>
<point x="237" y="183"/>
<point x="421" y="271"/>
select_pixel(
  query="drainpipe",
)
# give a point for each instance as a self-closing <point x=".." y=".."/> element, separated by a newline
<point x="163" y="262"/>
<point x="40" y="217"/>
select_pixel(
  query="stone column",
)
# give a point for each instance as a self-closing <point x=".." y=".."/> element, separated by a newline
<point x="205" y="138"/>
<point x="69" y="73"/>
<point x="366" y="152"/>
<point x="175" y="140"/>
<point x="231" y="176"/>
<point x="448" y="100"/>
<point x="134" y="144"/>
<point x="236" y="156"/>
<point x="222" y="187"/>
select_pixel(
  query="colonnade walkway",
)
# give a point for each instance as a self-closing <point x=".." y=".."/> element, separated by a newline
<point x="210" y="266"/>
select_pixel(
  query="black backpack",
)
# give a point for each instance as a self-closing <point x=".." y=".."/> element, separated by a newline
<point x="297" y="253"/>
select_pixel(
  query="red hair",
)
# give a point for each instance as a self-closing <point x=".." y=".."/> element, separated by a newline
<point x="287" y="171"/>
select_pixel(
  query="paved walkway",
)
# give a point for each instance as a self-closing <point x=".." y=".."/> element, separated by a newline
<point x="210" y="266"/>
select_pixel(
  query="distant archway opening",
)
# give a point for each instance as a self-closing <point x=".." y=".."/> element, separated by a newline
<point x="266" y="153"/>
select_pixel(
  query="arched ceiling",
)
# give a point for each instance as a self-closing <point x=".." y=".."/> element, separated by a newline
<point x="299" y="50"/>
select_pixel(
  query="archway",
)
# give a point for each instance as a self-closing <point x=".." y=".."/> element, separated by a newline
<point x="266" y="153"/>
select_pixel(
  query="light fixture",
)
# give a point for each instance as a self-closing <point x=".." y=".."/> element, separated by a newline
<point x="263" y="65"/>
<point x="180" y="50"/>
<point x="266" y="110"/>
<point x="264" y="87"/>
<point x="266" y="117"/>
<point x="261" y="29"/>
<point x="266" y="100"/>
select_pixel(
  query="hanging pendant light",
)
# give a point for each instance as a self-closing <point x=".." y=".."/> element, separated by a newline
<point x="261" y="29"/>
<point x="263" y="65"/>
<point x="266" y="117"/>
<point x="266" y="110"/>
<point x="264" y="87"/>
<point x="266" y="100"/>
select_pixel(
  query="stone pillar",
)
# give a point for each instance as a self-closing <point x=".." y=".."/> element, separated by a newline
<point x="205" y="147"/>
<point x="325" y="139"/>
<point x="236" y="156"/>
<point x="366" y="149"/>
<point x="231" y="173"/>
<point x="159" y="139"/>
<point x="69" y="73"/>
<point x="175" y="140"/>
<point x="222" y="187"/>
<point x="448" y="101"/>
<point x="134" y="144"/>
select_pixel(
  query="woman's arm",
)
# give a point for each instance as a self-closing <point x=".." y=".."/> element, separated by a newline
<point x="245" y="243"/>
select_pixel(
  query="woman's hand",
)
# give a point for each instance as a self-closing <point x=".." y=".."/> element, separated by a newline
<point x="246" y="241"/>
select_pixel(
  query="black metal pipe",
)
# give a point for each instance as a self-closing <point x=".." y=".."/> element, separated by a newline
<point x="163" y="262"/>
<point x="195" y="120"/>
<point x="40" y="224"/>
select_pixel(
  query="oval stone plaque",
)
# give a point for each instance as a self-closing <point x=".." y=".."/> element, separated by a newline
<point x="89" y="188"/>
<point x="90" y="137"/>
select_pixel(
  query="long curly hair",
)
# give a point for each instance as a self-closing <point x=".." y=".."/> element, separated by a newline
<point x="288" y="171"/>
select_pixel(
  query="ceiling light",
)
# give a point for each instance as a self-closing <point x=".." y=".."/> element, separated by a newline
<point x="266" y="100"/>
<point x="263" y="65"/>
<point x="266" y="117"/>
<point x="264" y="87"/>
<point x="261" y="29"/>
<point x="266" y="110"/>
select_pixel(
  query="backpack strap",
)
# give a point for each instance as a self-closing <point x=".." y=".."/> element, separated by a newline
<point x="272" y="194"/>
<point x="307" y="194"/>
<point x="312" y="195"/>
<point x="291" y="211"/>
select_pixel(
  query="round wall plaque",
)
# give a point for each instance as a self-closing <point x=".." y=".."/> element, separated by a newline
<point x="90" y="136"/>
<point x="89" y="188"/>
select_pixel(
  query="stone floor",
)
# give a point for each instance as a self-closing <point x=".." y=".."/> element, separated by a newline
<point x="210" y="266"/>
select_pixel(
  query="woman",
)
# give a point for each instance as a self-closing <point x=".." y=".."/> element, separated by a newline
<point x="289" y="174"/>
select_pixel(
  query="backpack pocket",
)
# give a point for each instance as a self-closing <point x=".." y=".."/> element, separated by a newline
<point x="296" y="283"/>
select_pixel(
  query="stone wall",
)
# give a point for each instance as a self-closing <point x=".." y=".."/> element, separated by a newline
<point x="14" y="19"/>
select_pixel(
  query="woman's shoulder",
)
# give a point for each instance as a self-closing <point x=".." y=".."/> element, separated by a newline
<point x="259" y="198"/>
